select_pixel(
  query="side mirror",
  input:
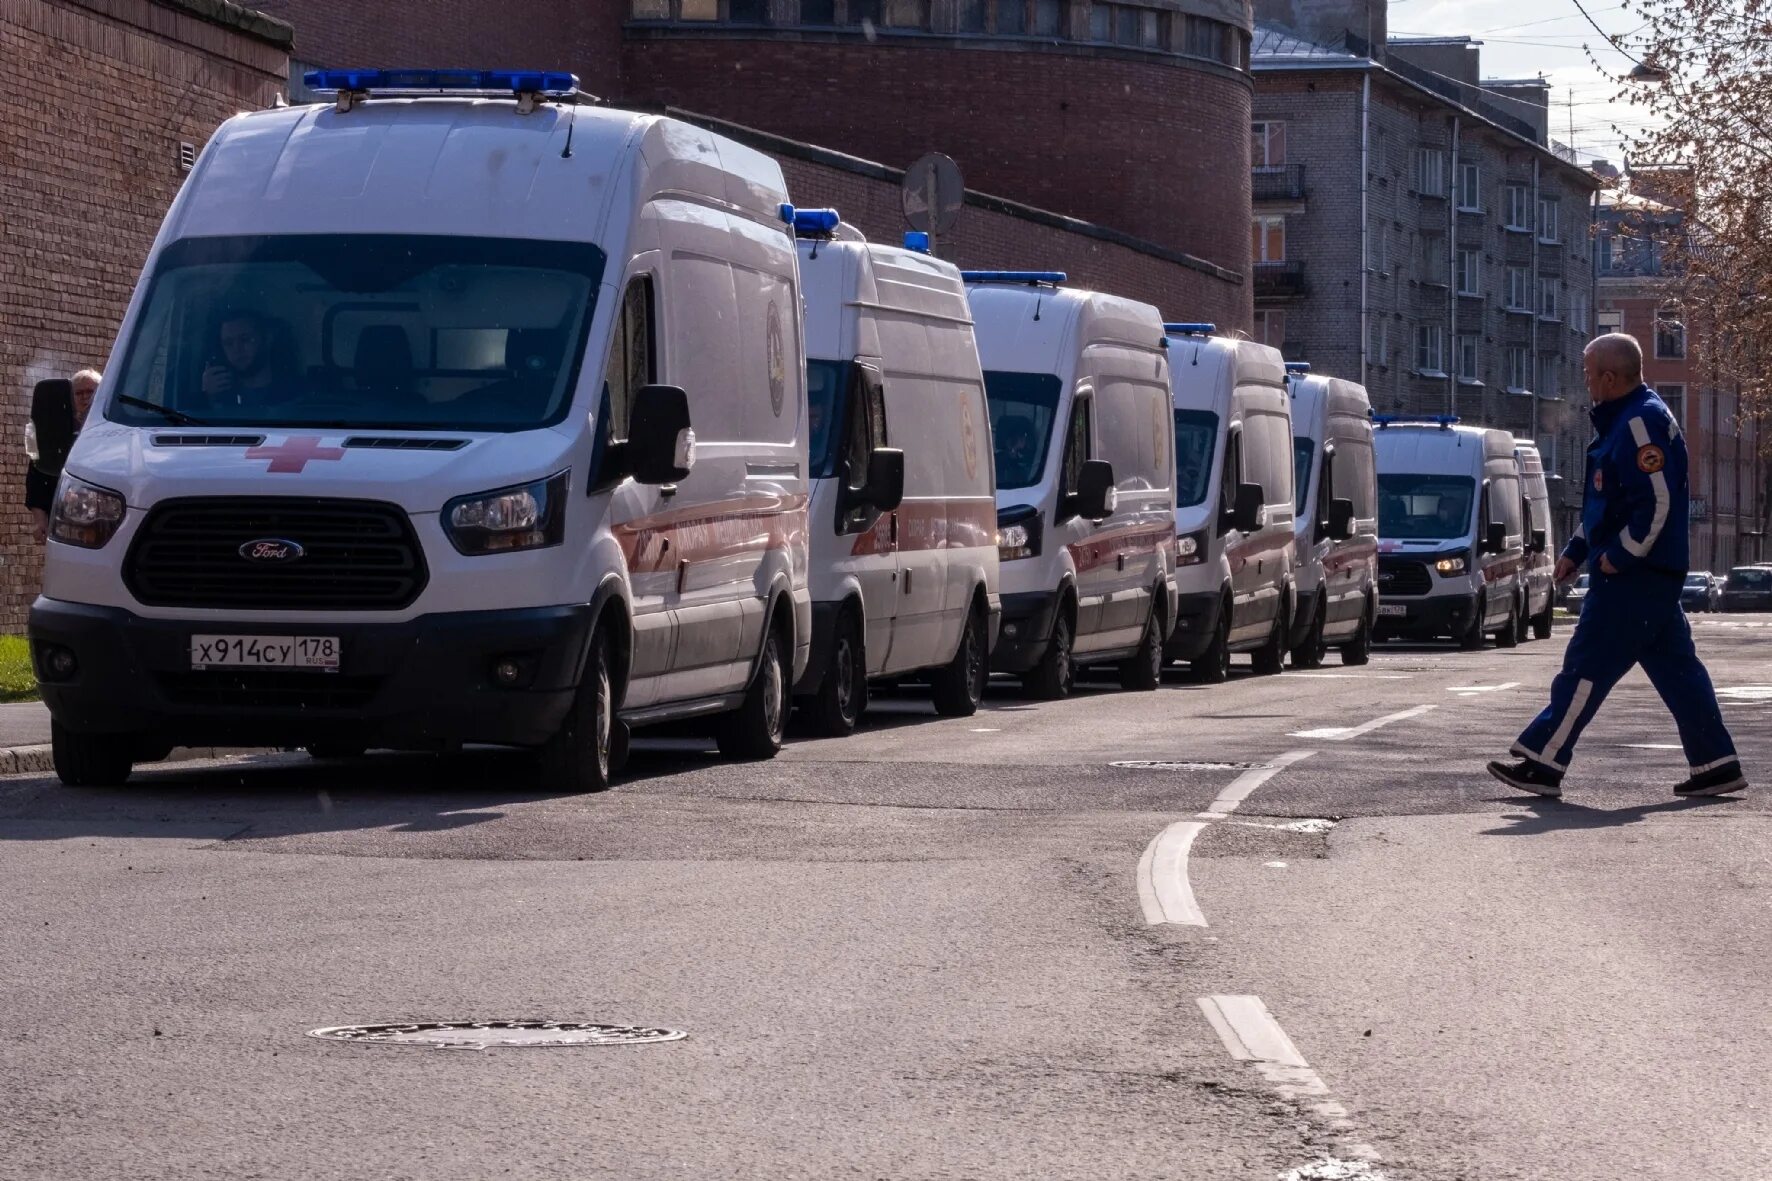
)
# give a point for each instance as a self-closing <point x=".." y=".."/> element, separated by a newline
<point x="1341" y="519"/>
<point x="1539" y="541"/>
<point x="1495" y="538"/>
<point x="885" y="488"/>
<point x="661" y="443"/>
<point x="1250" y="512"/>
<point x="52" y="423"/>
<point x="1096" y="497"/>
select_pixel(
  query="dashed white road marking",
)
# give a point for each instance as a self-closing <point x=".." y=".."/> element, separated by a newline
<point x="987" y="729"/>
<point x="1238" y="789"/>
<point x="1163" y="889"/>
<point x="1352" y="676"/>
<point x="1343" y="733"/>
<point x="1746" y="692"/>
<point x="1250" y="1033"/>
<point x="1652" y="745"/>
<point x="1467" y="690"/>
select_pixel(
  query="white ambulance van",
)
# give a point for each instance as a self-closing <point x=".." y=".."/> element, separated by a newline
<point x="1236" y="563"/>
<point x="475" y="417"/>
<point x="1336" y="497"/>
<point x="1539" y="591"/>
<point x="904" y="511"/>
<point x="1078" y="385"/>
<point x="1450" y="531"/>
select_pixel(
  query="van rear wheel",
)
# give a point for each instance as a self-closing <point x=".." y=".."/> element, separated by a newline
<point x="577" y="759"/>
<point x="1144" y="671"/>
<point x="754" y="729"/>
<point x="1054" y="676"/>
<point x="1541" y="623"/>
<point x="90" y="760"/>
<point x="843" y="694"/>
<point x="1311" y="650"/>
<point x="958" y="686"/>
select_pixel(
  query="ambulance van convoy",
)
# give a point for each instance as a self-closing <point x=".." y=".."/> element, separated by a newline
<point x="1078" y="386"/>
<point x="904" y="511"/>
<point x="440" y="420"/>
<point x="1236" y="556"/>
<point x="1540" y="559"/>
<point x="1451" y="534"/>
<point x="1336" y="497"/>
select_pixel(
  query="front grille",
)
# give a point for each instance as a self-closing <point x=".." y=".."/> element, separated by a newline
<point x="1403" y="576"/>
<point x="359" y="555"/>
<point x="259" y="689"/>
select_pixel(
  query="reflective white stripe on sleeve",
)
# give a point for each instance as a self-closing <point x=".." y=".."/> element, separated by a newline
<point x="1580" y="531"/>
<point x="1657" y="481"/>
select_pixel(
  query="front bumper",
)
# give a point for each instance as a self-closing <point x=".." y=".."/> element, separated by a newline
<point x="1024" y="631"/>
<point x="1426" y="618"/>
<point x="1196" y="621"/>
<point x="425" y="684"/>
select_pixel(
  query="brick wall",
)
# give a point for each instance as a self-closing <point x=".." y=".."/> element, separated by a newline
<point x="97" y="98"/>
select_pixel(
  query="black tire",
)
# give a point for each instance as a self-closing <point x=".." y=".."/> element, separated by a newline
<point x="754" y="729"/>
<point x="1054" y="677"/>
<point x="1359" y="649"/>
<point x="578" y="760"/>
<point x="1541" y="623"/>
<point x="1508" y="635"/>
<point x="958" y="686"/>
<point x="1523" y="619"/>
<point x="1472" y="639"/>
<point x="836" y="708"/>
<point x="1144" y="671"/>
<point x="331" y="751"/>
<point x="90" y="760"/>
<point x="1312" y="650"/>
<point x="1213" y="666"/>
<point x="1270" y="658"/>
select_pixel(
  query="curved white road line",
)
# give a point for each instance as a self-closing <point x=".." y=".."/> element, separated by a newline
<point x="1163" y="888"/>
<point x="1343" y="733"/>
<point x="1239" y="788"/>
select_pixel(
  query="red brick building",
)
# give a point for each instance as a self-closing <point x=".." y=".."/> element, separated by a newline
<point x="106" y="103"/>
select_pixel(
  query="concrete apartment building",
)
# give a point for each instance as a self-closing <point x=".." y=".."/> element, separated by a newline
<point x="1414" y="227"/>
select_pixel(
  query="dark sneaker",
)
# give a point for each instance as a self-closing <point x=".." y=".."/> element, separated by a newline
<point x="1717" y="781"/>
<point x="1527" y="775"/>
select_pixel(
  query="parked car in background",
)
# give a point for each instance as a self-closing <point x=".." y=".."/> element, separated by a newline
<point x="1576" y="595"/>
<point x="1748" y="588"/>
<point x="1700" y="593"/>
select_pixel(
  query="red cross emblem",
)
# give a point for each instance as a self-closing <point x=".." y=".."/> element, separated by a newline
<point x="294" y="453"/>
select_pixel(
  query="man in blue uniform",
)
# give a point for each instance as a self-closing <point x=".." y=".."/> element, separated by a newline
<point x="1632" y="538"/>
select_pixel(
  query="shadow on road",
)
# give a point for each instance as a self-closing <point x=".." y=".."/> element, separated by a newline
<point x="1544" y="815"/>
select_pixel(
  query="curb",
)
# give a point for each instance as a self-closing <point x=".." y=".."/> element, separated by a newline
<point x="36" y="760"/>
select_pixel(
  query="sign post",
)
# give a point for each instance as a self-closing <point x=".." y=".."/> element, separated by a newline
<point x="933" y="193"/>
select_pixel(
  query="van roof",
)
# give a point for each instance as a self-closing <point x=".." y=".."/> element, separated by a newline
<point x="1426" y="447"/>
<point x="458" y="166"/>
<point x="1331" y="395"/>
<point x="1204" y="370"/>
<point x="865" y="273"/>
<point x="1043" y="329"/>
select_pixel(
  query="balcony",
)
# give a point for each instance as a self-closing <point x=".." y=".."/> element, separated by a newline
<point x="1280" y="280"/>
<point x="1282" y="183"/>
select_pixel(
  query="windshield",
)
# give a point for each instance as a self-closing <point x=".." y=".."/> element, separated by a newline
<point x="1023" y="406"/>
<point x="360" y="330"/>
<point x="1427" y="508"/>
<point x="1581" y="583"/>
<point x="1302" y="450"/>
<point x="826" y="384"/>
<point x="1196" y="438"/>
<point x="1750" y="579"/>
<point x="1697" y="579"/>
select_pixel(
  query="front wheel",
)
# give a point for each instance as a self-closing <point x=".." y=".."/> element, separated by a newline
<point x="1144" y="671"/>
<point x="1270" y="658"/>
<point x="1213" y="666"/>
<point x="958" y="686"/>
<point x="1472" y="639"/>
<point x="1508" y="636"/>
<point x="1054" y="676"/>
<point x="577" y="759"/>
<point x="843" y="694"/>
<point x="753" y="730"/>
<point x="1541" y="623"/>
<point x="1311" y="650"/>
<point x="1359" y="649"/>
<point x="90" y="760"/>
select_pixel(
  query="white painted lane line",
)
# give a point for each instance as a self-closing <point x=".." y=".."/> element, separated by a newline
<point x="1469" y="689"/>
<point x="1250" y="1034"/>
<point x="1163" y="888"/>
<point x="1343" y="733"/>
<point x="1351" y="676"/>
<point x="1238" y="789"/>
<point x="1652" y="745"/>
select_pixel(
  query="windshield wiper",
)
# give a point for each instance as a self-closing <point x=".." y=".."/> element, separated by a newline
<point x="176" y="417"/>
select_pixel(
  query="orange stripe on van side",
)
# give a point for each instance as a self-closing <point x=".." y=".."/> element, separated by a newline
<point x="708" y="532"/>
<point x="1106" y="547"/>
<point x="930" y="524"/>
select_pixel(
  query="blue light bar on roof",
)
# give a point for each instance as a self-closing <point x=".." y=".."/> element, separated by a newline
<point x="1031" y="278"/>
<point x="916" y="240"/>
<point x="1190" y="329"/>
<point x="548" y="82"/>
<point x="1443" y="421"/>
<point x="1298" y="366"/>
<point x="815" y="223"/>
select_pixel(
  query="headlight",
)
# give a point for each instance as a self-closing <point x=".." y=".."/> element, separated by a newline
<point x="84" y="515"/>
<point x="1190" y="549"/>
<point x="1018" y="533"/>
<point x="1453" y="564"/>
<point x="531" y="516"/>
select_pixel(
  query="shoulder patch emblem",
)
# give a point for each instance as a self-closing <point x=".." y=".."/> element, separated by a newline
<point x="1651" y="459"/>
<point x="1599" y="481"/>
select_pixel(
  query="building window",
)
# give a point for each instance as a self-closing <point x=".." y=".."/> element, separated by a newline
<point x="971" y="14"/>
<point x="1470" y="192"/>
<point x="1434" y="263"/>
<point x="1012" y="17"/>
<point x="1519" y="211"/>
<point x="747" y="12"/>
<point x="1267" y="146"/>
<point x="1210" y="39"/>
<point x="1670" y="332"/>
<point x="1270" y="328"/>
<point x="1519" y="380"/>
<point x="1268" y="243"/>
<point x="1470" y="272"/>
<point x="1378" y="340"/>
<point x="1611" y="321"/>
<point x="1519" y="295"/>
<point x="1430" y="350"/>
<point x="1430" y="172"/>
<point x="1467" y="357"/>
<point x="1049" y="18"/>
<point x="1603" y="259"/>
<point x="1547" y="375"/>
<point x="1549" y="214"/>
<point x="1378" y="249"/>
<point x="1547" y="300"/>
<point x="1674" y="394"/>
<point x="1578" y="312"/>
<point x="818" y="12"/>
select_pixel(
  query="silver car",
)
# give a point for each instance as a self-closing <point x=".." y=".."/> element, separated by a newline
<point x="1577" y="595"/>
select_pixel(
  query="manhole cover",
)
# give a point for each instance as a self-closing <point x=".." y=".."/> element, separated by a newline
<point x="1159" y="765"/>
<point x="487" y="1035"/>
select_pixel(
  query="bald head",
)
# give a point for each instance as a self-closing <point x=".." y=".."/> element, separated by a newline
<point x="1613" y="364"/>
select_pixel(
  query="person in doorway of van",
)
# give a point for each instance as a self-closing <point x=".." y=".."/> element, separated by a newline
<point x="1632" y="538"/>
<point x="243" y="371"/>
<point x="39" y="481"/>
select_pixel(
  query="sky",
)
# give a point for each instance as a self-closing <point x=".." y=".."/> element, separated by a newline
<point x="1525" y="38"/>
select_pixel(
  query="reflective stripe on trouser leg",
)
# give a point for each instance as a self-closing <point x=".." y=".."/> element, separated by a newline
<point x="1603" y="649"/>
<point x="1671" y="663"/>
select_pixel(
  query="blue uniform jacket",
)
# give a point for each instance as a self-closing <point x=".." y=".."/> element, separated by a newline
<point x="1635" y="507"/>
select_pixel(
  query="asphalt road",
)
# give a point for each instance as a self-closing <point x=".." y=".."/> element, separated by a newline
<point x="926" y="951"/>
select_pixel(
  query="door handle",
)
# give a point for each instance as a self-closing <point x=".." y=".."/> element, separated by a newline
<point x="907" y="581"/>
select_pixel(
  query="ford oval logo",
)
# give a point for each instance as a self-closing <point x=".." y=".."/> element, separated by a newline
<point x="271" y="549"/>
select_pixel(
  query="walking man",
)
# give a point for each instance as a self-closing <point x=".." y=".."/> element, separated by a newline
<point x="1632" y="538"/>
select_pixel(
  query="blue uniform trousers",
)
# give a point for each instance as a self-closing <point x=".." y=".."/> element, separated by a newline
<point x="1629" y="619"/>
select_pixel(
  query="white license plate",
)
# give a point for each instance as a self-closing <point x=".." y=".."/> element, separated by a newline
<point x="319" y="652"/>
<point x="1392" y="609"/>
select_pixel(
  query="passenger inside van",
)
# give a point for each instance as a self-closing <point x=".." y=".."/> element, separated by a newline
<point x="1016" y="446"/>
<point x="249" y="365"/>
